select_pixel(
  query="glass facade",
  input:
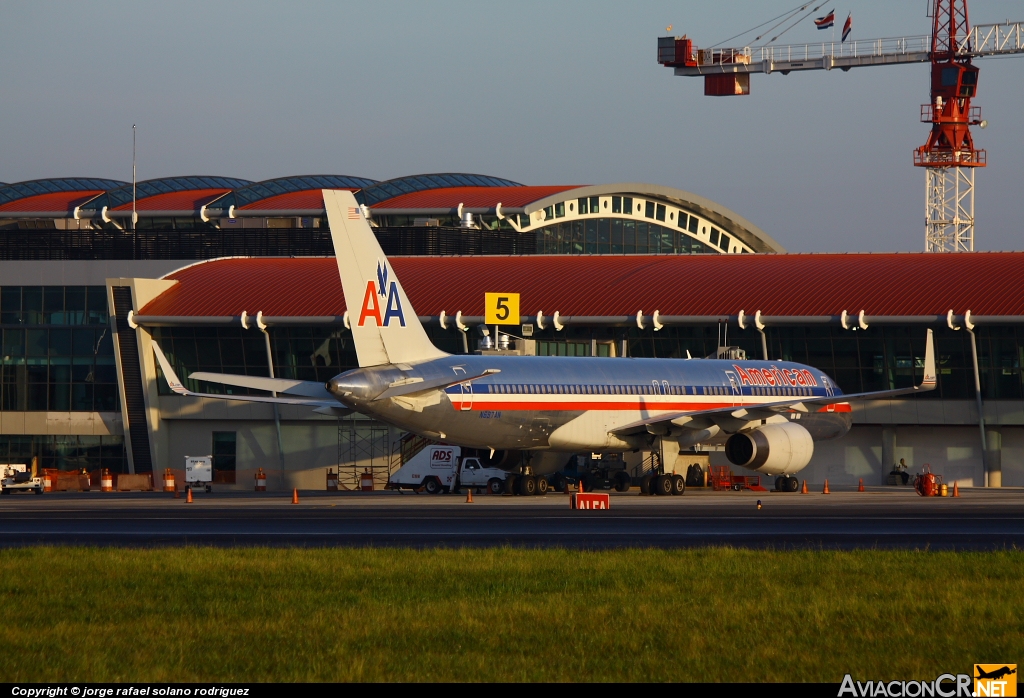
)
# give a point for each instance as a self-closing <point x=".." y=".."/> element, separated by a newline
<point x="616" y="236"/>
<point x="66" y="452"/>
<point x="58" y="353"/>
<point x="879" y="358"/>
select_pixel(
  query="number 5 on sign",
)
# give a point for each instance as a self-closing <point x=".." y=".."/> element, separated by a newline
<point x="501" y="308"/>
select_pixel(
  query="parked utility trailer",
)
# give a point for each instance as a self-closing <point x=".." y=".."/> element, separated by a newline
<point x="440" y="469"/>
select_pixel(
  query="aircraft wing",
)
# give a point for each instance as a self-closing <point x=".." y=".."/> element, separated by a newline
<point x="326" y="402"/>
<point x="729" y="417"/>
<point x="407" y="386"/>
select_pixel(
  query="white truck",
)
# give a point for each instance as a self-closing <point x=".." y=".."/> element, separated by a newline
<point x="18" y="478"/>
<point x="440" y="469"/>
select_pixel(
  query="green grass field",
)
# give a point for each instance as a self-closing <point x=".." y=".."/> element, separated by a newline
<point x="257" y="614"/>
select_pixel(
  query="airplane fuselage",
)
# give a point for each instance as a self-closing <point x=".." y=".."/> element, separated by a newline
<point x="574" y="403"/>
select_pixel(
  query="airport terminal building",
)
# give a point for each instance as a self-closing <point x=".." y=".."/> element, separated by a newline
<point x="233" y="276"/>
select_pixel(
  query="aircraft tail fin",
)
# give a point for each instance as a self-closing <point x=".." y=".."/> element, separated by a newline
<point x="385" y="327"/>
<point x="929" y="380"/>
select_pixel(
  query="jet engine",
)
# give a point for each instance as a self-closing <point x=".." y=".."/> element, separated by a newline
<point x="774" y="449"/>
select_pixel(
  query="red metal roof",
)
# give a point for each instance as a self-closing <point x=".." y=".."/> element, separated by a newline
<point x="308" y="199"/>
<point x="986" y="283"/>
<point x="57" y="201"/>
<point x="188" y="200"/>
<point x="472" y="197"/>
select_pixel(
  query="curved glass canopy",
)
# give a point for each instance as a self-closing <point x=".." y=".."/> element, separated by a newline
<point x="406" y="185"/>
<point x="123" y="194"/>
<point x="286" y="185"/>
<point x="35" y="187"/>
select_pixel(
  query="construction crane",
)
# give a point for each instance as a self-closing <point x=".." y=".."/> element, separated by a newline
<point x="949" y="156"/>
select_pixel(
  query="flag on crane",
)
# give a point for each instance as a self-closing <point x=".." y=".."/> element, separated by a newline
<point x="847" y="27"/>
<point x="827" y="21"/>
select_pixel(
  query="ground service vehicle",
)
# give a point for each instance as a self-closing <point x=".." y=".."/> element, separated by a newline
<point x="18" y="478"/>
<point x="439" y="468"/>
<point x="596" y="471"/>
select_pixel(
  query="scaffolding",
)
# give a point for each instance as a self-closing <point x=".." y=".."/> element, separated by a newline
<point x="363" y="446"/>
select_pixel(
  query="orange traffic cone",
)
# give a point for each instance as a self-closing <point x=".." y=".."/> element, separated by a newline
<point x="295" y="496"/>
<point x="469" y="495"/>
<point x="579" y="486"/>
<point x="860" y="487"/>
<point x="825" y="491"/>
<point x="188" y="496"/>
<point x="956" y="489"/>
<point x="803" y="490"/>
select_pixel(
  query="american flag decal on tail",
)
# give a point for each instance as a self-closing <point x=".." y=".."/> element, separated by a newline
<point x="353" y="213"/>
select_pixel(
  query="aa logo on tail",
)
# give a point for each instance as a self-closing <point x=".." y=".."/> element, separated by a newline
<point x="372" y="306"/>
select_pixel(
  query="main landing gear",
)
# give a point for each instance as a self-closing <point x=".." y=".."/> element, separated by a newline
<point x="526" y="485"/>
<point x="663" y="484"/>
<point x="787" y="483"/>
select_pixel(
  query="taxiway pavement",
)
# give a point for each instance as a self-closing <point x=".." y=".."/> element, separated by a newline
<point x="881" y="517"/>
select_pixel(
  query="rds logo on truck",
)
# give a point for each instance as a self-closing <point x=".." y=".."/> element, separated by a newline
<point x="372" y="307"/>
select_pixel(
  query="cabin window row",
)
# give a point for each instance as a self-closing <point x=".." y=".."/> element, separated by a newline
<point x="782" y="392"/>
<point x="544" y="389"/>
<point x="653" y="389"/>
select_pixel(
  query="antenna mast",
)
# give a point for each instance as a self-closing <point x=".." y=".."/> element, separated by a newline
<point x="135" y="215"/>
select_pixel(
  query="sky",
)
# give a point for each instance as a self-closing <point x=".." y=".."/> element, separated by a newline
<point x="555" y="92"/>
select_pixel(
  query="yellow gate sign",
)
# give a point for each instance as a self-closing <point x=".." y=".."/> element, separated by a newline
<point x="501" y="308"/>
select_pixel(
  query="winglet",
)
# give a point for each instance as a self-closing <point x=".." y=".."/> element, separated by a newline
<point x="930" y="380"/>
<point x="169" y="374"/>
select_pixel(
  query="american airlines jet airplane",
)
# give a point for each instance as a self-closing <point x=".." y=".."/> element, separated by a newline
<point x="766" y="413"/>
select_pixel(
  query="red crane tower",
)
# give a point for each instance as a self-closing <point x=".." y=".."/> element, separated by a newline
<point x="949" y="157"/>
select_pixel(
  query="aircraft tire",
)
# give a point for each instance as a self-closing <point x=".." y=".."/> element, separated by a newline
<point x="511" y="484"/>
<point x="543" y="485"/>
<point x="646" y="484"/>
<point x="662" y="485"/>
<point x="678" y="484"/>
<point x="495" y="486"/>
<point x="432" y="486"/>
<point x="623" y="482"/>
<point x="794" y="484"/>
<point x="782" y="484"/>
<point x="527" y="485"/>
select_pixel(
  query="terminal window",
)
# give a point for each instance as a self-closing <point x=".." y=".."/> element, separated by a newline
<point x="65" y="452"/>
<point x="57" y="350"/>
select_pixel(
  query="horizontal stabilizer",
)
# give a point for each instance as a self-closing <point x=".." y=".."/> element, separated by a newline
<point x="175" y="385"/>
<point x="273" y="385"/>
